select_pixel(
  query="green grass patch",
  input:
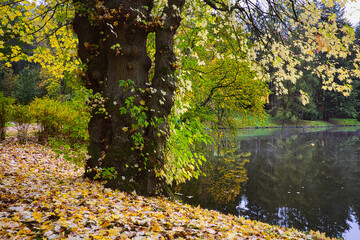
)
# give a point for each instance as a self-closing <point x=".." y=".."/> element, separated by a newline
<point x="271" y="122"/>
<point x="318" y="123"/>
<point x="9" y="124"/>
<point x="341" y="121"/>
<point x="249" y="133"/>
<point x="261" y="132"/>
<point x="266" y="121"/>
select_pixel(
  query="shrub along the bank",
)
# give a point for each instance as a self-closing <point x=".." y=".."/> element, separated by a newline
<point x="5" y="106"/>
<point x="21" y="115"/>
<point x="63" y="124"/>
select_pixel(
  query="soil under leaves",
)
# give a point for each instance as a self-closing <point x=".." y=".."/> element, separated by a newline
<point x="45" y="197"/>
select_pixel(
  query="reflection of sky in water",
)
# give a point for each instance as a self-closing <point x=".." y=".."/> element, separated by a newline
<point x="282" y="212"/>
<point x="242" y="204"/>
<point x="354" y="232"/>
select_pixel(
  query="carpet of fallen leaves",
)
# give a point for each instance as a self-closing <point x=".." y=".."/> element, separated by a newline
<point x="44" y="197"/>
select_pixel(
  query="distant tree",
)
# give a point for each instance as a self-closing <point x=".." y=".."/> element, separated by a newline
<point x="8" y="81"/>
<point x="27" y="87"/>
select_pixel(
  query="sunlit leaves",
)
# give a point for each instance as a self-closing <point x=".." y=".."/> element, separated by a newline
<point x="218" y="73"/>
<point x="46" y="27"/>
<point x="183" y="157"/>
<point x="317" y="39"/>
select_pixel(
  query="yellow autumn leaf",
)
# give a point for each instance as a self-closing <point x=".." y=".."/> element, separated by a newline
<point x="105" y="224"/>
<point x="142" y="102"/>
<point x="48" y="226"/>
<point x="155" y="226"/>
<point x="38" y="216"/>
<point x="86" y="44"/>
<point x="115" y="216"/>
<point x="96" y="236"/>
<point x="92" y="217"/>
<point x="63" y="223"/>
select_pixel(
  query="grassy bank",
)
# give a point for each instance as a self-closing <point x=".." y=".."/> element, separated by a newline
<point x="271" y="122"/>
<point x="44" y="197"/>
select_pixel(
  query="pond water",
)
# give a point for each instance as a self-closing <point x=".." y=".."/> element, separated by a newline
<point x="301" y="178"/>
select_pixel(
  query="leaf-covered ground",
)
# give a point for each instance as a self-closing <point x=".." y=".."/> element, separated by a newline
<point x="44" y="197"/>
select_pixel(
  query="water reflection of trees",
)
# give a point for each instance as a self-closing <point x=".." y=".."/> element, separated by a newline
<point x="306" y="181"/>
<point x="224" y="173"/>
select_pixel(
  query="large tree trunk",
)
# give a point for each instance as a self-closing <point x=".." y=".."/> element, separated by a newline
<point x="112" y="43"/>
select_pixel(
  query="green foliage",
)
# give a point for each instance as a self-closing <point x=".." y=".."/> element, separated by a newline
<point x="5" y="106"/>
<point x="265" y="121"/>
<point x="8" y="81"/>
<point x="50" y="114"/>
<point x="216" y="83"/>
<point x="224" y="80"/>
<point x="106" y="173"/>
<point x="348" y="122"/>
<point x="64" y="123"/>
<point x="138" y="112"/>
<point x="184" y="155"/>
<point x="24" y="87"/>
<point x="59" y="118"/>
<point x="27" y="86"/>
<point x="22" y="117"/>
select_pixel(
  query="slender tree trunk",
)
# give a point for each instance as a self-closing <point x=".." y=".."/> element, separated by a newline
<point x="112" y="43"/>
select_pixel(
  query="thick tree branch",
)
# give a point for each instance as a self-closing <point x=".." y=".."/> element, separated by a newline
<point x="212" y="91"/>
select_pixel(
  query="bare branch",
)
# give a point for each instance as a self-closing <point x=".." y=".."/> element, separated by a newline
<point x="212" y="91"/>
<point x="10" y="3"/>
<point x="53" y="31"/>
<point x="222" y="7"/>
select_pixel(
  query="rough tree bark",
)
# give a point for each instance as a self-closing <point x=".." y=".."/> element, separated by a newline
<point x="112" y="43"/>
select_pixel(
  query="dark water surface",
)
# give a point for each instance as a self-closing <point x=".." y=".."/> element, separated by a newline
<point x="301" y="178"/>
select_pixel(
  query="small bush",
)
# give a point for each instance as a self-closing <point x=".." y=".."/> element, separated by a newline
<point x="46" y="112"/>
<point x="59" y="118"/>
<point x="5" y="106"/>
<point x="64" y="123"/>
<point x="22" y="117"/>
